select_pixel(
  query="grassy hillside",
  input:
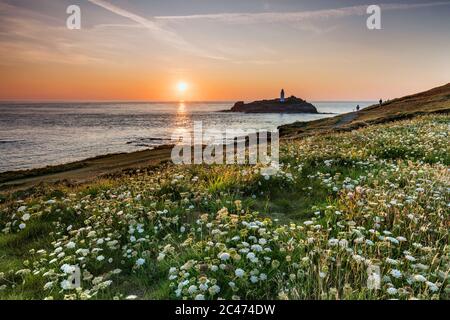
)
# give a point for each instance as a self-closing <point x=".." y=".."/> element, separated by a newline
<point x="342" y="203"/>
<point x="436" y="100"/>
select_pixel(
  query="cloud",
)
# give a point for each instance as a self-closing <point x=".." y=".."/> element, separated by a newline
<point x="118" y="25"/>
<point x="155" y="24"/>
<point x="163" y="35"/>
<point x="22" y="32"/>
<point x="21" y="39"/>
<point x="271" y="17"/>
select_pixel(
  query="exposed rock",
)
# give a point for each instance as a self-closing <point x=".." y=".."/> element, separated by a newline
<point x="290" y="105"/>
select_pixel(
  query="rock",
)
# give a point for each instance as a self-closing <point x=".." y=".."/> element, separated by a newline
<point x="290" y="105"/>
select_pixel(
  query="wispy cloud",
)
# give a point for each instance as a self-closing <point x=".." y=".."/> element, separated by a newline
<point x="160" y="33"/>
<point x="21" y="39"/>
<point x="22" y="32"/>
<point x="118" y="25"/>
<point x="270" y="17"/>
<point x="156" y="25"/>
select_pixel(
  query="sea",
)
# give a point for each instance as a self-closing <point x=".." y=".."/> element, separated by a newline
<point x="35" y="135"/>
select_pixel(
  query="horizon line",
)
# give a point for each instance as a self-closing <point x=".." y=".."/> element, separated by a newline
<point x="32" y="101"/>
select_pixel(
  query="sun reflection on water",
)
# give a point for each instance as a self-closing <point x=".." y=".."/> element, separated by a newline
<point x="182" y="120"/>
<point x="181" y="107"/>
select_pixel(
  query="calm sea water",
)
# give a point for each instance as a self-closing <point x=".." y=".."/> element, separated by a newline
<point x="36" y="135"/>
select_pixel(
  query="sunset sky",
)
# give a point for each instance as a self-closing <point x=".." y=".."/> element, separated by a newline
<point x="221" y="50"/>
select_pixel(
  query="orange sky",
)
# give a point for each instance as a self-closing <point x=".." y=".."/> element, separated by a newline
<point x="113" y="58"/>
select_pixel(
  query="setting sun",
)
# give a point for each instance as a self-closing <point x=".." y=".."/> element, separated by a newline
<point x="182" y="87"/>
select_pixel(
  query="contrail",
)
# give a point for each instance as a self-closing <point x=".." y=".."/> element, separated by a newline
<point x="164" y="35"/>
<point x="268" y="17"/>
<point x="176" y="41"/>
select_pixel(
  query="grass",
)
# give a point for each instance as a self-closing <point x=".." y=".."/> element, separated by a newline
<point x="341" y="203"/>
<point x="434" y="101"/>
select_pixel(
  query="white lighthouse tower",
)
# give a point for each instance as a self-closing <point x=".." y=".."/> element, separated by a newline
<point x="282" y="95"/>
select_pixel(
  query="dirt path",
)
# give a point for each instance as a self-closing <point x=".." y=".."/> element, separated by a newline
<point x="346" y="118"/>
<point x="86" y="170"/>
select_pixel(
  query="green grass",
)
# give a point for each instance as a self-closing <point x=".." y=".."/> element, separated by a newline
<point x="378" y="184"/>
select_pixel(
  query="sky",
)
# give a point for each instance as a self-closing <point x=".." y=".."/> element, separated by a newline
<point x="221" y="50"/>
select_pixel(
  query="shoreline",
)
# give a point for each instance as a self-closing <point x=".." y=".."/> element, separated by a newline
<point x="84" y="170"/>
<point x="21" y="178"/>
<point x="434" y="101"/>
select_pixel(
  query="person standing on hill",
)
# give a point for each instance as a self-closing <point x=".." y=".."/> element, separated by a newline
<point x="381" y="102"/>
<point x="357" y="108"/>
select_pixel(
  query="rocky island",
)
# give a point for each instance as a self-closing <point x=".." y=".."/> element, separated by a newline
<point x="281" y="105"/>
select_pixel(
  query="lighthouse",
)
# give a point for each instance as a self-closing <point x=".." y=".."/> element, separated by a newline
<point x="282" y="95"/>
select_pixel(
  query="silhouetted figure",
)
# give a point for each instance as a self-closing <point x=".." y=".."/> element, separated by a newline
<point x="381" y="102"/>
<point x="357" y="108"/>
